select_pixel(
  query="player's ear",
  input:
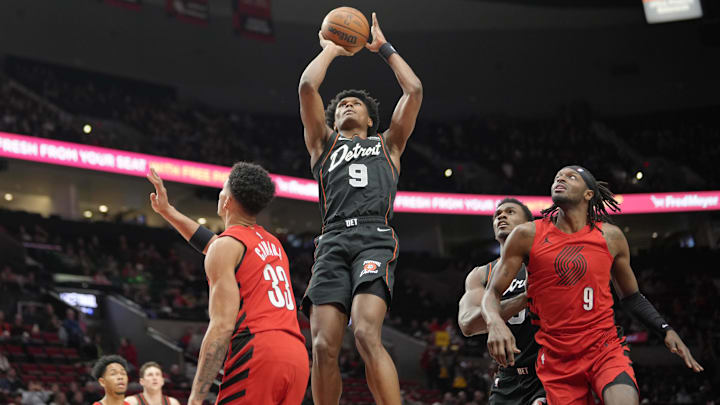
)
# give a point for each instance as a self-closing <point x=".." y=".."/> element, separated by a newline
<point x="101" y="381"/>
<point x="589" y="194"/>
<point x="370" y="122"/>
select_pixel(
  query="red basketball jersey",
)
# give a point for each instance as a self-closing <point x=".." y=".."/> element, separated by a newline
<point x="267" y="301"/>
<point x="569" y="287"/>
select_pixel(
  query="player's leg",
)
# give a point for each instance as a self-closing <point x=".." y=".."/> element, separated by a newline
<point x="372" y="385"/>
<point x="368" y="313"/>
<point x="327" y="303"/>
<point x="327" y="327"/>
<point x="613" y="377"/>
<point x="620" y="394"/>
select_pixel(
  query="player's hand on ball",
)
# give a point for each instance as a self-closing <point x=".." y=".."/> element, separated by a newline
<point x="326" y="43"/>
<point x="378" y="39"/>
<point x="158" y="199"/>
<point x="501" y="344"/>
<point x="676" y="346"/>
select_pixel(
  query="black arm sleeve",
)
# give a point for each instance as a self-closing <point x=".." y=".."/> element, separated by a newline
<point x="201" y="238"/>
<point x="646" y="313"/>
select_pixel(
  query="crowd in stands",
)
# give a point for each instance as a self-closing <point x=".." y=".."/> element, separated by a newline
<point x="486" y="154"/>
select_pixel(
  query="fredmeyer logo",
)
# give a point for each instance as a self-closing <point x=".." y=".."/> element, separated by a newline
<point x="369" y="267"/>
<point x="570" y="265"/>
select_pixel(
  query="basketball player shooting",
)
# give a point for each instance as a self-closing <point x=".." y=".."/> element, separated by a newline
<point x="357" y="171"/>
<point x="571" y="255"/>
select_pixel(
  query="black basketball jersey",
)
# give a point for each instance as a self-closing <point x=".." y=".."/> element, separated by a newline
<point x="520" y="325"/>
<point x="356" y="178"/>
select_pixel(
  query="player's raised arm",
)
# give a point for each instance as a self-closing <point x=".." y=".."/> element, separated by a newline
<point x="220" y="262"/>
<point x="626" y="287"/>
<point x="470" y="307"/>
<point x="197" y="235"/>
<point x="406" y="111"/>
<point x="501" y="342"/>
<point x="312" y="110"/>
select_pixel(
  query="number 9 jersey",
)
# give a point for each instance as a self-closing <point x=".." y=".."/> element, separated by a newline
<point x="356" y="178"/>
<point x="266" y="357"/>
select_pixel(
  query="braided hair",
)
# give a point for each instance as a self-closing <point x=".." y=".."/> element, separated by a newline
<point x="602" y="200"/>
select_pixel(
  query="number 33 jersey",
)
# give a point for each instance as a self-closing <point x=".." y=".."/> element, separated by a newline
<point x="356" y="178"/>
<point x="569" y="287"/>
<point x="267" y="301"/>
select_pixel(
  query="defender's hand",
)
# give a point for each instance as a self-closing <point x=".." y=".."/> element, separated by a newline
<point x="339" y="50"/>
<point x="377" y="36"/>
<point x="676" y="346"/>
<point x="158" y="199"/>
<point x="501" y="344"/>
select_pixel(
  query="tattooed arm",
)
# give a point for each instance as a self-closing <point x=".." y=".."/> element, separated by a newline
<point x="220" y="262"/>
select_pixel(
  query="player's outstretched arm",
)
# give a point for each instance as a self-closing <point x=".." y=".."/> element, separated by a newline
<point x="312" y="110"/>
<point x="626" y="287"/>
<point x="470" y="307"/>
<point x="220" y="263"/>
<point x="197" y="235"/>
<point x="406" y="111"/>
<point x="501" y="342"/>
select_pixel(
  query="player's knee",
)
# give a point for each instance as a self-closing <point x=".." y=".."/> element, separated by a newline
<point x="620" y="394"/>
<point x="367" y="338"/>
<point x="324" y="350"/>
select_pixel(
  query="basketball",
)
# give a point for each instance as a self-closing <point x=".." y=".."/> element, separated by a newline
<point x="346" y="27"/>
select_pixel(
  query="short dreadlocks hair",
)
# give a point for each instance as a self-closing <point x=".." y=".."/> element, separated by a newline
<point x="98" y="369"/>
<point x="251" y="186"/>
<point x="528" y="214"/>
<point x="602" y="200"/>
<point x="372" y="105"/>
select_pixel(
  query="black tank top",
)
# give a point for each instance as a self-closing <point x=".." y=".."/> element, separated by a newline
<point x="356" y="178"/>
<point x="520" y="325"/>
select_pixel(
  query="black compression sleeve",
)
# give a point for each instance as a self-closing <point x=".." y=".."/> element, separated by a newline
<point x="201" y="238"/>
<point x="646" y="313"/>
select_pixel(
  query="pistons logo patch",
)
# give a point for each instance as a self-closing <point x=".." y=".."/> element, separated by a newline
<point x="370" y="267"/>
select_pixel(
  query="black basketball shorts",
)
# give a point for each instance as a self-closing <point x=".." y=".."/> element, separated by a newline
<point x="349" y="258"/>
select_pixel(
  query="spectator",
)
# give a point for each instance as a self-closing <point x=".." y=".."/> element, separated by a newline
<point x="4" y="325"/>
<point x="72" y="328"/>
<point x="177" y="378"/>
<point x="10" y="382"/>
<point x="128" y="352"/>
<point x="35" y="394"/>
<point x="60" y="399"/>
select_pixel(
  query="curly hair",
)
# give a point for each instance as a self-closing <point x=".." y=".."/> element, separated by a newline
<point x="251" y="186"/>
<point x="372" y="105"/>
<point x="98" y="369"/>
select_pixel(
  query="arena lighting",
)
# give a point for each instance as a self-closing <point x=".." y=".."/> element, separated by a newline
<point x="448" y="172"/>
<point x="103" y="208"/>
<point x="8" y="197"/>
<point x="87" y="214"/>
<point x="87" y="128"/>
<point x="654" y="235"/>
<point x="202" y="221"/>
<point x="93" y="158"/>
<point x="659" y="11"/>
<point x="639" y="175"/>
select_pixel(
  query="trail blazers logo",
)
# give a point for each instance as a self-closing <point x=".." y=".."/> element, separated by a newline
<point x="570" y="265"/>
<point x="369" y="267"/>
